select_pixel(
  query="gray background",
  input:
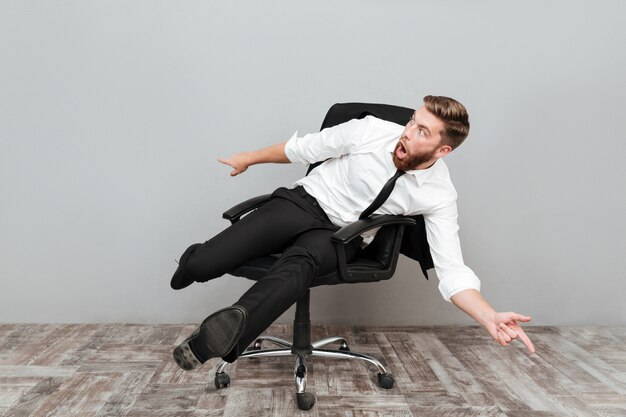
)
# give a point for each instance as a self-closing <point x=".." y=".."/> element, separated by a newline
<point x="113" y="113"/>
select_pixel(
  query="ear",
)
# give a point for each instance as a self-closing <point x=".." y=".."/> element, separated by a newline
<point x="443" y="151"/>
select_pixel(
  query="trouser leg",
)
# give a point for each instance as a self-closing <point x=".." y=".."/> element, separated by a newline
<point x="312" y="254"/>
<point x="266" y="230"/>
<point x="292" y="220"/>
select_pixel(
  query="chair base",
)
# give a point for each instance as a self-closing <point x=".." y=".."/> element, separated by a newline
<point x="304" y="399"/>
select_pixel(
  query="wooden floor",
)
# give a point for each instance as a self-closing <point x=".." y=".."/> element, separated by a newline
<point x="127" y="370"/>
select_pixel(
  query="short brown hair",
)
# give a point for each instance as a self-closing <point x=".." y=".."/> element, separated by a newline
<point x="454" y="117"/>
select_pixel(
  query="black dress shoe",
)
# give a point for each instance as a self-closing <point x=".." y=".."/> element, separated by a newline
<point x="181" y="278"/>
<point x="217" y="335"/>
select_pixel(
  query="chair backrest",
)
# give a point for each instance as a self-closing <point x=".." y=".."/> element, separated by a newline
<point x="382" y="253"/>
<point x="415" y="244"/>
<point x="342" y="112"/>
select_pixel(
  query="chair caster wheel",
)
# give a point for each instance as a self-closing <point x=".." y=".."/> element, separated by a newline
<point x="386" y="381"/>
<point x="305" y="400"/>
<point x="222" y="380"/>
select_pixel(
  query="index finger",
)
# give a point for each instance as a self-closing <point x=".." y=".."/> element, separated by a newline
<point x="225" y="161"/>
<point x="525" y="339"/>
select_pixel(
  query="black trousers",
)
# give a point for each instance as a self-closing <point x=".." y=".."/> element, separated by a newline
<point x="291" y="223"/>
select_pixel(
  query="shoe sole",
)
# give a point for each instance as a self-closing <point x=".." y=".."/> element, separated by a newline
<point x="220" y="331"/>
<point x="185" y="358"/>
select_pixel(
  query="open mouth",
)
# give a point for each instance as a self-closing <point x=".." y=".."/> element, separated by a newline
<point x="401" y="151"/>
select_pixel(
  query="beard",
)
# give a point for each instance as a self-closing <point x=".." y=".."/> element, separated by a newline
<point x="411" y="161"/>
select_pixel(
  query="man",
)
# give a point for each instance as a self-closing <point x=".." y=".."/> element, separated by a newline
<point x="361" y="155"/>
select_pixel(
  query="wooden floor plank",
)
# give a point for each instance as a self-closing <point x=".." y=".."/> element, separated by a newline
<point x="34" y="398"/>
<point x="121" y="402"/>
<point x="127" y="370"/>
<point x="410" y="368"/>
<point x="454" y="377"/>
<point x="467" y="411"/>
<point x="80" y="395"/>
<point x="501" y="393"/>
<point x="514" y="379"/>
<point x="589" y="363"/>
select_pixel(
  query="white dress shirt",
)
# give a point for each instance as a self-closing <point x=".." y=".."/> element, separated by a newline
<point x="360" y="163"/>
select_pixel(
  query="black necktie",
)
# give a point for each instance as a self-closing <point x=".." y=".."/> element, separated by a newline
<point x="383" y="195"/>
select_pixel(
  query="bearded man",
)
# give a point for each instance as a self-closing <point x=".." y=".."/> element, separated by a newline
<point x="360" y="156"/>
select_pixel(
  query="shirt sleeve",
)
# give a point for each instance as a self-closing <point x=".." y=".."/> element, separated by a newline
<point x="445" y="248"/>
<point x="332" y="142"/>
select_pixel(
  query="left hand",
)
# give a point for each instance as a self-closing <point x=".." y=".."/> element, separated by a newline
<point x="504" y="329"/>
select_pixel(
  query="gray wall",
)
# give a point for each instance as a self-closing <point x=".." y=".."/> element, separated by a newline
<point x="113" y="113"/>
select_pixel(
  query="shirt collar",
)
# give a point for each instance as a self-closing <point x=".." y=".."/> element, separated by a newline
<point x="421" y="175"/>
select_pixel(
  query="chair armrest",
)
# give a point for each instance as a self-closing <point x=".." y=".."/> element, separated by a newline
<point x="234" y="214"/>
<point x="349" y="232"/>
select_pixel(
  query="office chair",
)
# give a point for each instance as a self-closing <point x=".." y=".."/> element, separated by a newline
<point x="376" y="262"/>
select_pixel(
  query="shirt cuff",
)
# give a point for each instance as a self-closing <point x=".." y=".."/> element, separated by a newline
<point x="291" y="149"/>
<point x="455" y="284"/>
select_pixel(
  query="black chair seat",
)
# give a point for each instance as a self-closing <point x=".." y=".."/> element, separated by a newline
<point x="257" y="268"/>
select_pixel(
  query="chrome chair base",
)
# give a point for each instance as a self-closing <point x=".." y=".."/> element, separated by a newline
<point x="305" y="400"/>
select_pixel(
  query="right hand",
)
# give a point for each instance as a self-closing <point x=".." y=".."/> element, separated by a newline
<point x="239" y="162"/>
<point x="504" y="329"/>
